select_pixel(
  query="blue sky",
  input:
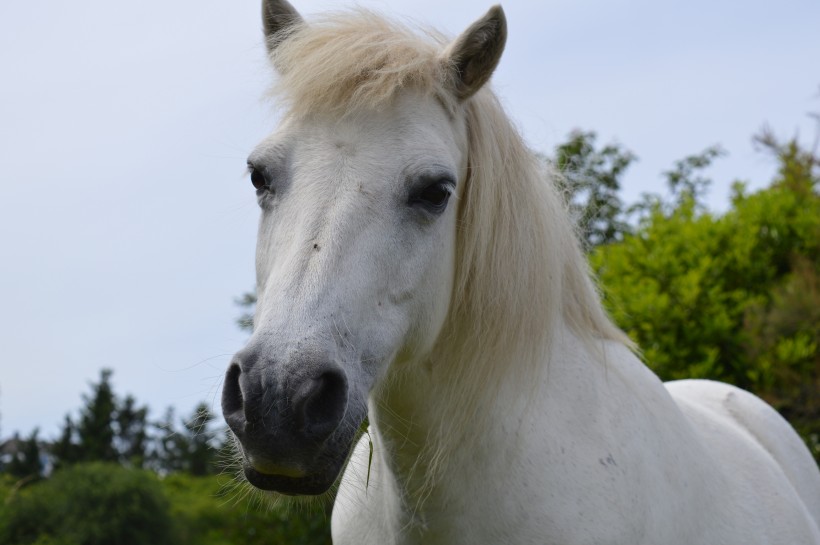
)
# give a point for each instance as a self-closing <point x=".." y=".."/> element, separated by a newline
<point x="126" y="222"/>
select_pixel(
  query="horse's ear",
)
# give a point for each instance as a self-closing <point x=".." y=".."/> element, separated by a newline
<point x="474" y="55"/>
<point x="278" y="16"/>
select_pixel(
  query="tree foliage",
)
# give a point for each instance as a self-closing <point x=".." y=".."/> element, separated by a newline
<point x="730" y="297"/>
<point x="111" y="429"/>
<point x="192" y="448"/>
<point x="27" y="464"/>
<point x="131" y="425"/>
<point x="248" y="302"/>
<point x="96" y="426"/>
<point x="590" y="179"/>
<point x="108" y="429"/>
<point x="687" y="185"/>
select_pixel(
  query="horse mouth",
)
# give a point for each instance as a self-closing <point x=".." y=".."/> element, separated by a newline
<point x="310" y="478"/>
<point x="308" y="485"/>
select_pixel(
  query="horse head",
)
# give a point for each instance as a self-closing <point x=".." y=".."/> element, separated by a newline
<point x="359" y="192"/>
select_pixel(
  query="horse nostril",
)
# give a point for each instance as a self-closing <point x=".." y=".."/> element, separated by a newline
<point x="232" y="402"/>
<point x="320" y="403"/>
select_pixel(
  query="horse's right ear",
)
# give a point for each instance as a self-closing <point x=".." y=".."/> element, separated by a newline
<point x="473" y="56"/>
<point x="278" y="17"/>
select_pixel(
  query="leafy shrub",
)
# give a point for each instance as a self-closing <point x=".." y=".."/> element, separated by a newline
<point x="217" y="511"/>
<point x="89" y="504"/>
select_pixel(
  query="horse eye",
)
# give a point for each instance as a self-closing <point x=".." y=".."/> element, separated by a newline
<point x="433" y="197"/>
<point x="258" y="179"/>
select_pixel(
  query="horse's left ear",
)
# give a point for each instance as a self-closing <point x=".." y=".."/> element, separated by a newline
<point x="278" y="17"/>
<point x="474" y="55"/>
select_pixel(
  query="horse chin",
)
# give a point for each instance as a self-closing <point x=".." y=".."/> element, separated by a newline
<point x="309" y="485"/>
<point x="314" y="480"/>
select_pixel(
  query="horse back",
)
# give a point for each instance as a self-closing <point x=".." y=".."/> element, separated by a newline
<point x="760" y="450"/>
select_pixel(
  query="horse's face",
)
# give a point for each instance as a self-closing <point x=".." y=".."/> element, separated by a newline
<point x="354" y="268"/>
<point x="355" y="263"/>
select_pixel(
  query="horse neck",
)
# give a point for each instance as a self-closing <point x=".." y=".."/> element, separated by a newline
<point x="409" y="413"/>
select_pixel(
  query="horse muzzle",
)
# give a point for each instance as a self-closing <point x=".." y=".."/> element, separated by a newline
<point x="287" y="419"/>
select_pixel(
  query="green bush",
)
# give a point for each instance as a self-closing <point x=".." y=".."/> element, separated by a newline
<point x="107" y="504"/>
<point x="218" y="511"/>
<point x="88" y="504"/>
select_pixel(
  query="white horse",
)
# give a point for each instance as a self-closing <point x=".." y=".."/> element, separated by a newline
<point x="414" y="265"/>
